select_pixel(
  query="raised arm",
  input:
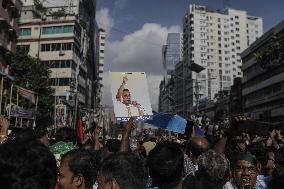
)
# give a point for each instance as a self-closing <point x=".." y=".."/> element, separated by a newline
<point x="120" y="89"/>
<point x="126" y="132"/>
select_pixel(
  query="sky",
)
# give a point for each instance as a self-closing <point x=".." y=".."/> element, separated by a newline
<point x="137" y="29"/>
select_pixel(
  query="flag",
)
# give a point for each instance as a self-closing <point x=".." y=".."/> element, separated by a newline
<point x="30" y="95"/>
<point x="80" y="130"/>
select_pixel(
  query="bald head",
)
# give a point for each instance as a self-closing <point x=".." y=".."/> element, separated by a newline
<point x="197" y="146"/>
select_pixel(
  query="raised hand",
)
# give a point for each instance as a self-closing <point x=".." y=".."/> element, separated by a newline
<point x="4" y="125"/>
<point x="136" y="104"/>
<point x="124" y="80"/>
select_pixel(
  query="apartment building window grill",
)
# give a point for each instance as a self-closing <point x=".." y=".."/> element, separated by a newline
<point x="56" y="47"/>
<point x="60" y="64"/>
<point x="58" y="29"/>
<point x="25" y="32"/>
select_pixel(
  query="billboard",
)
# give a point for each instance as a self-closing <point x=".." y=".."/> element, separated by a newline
<point x="130" y="96"/>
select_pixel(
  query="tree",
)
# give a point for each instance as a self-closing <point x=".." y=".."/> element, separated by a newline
<point x="33" y="75"/>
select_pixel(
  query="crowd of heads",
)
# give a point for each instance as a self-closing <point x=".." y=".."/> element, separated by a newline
<point x="225" y="157"/>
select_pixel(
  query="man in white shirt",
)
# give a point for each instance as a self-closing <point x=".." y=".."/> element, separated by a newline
<point x="127" y="107"/>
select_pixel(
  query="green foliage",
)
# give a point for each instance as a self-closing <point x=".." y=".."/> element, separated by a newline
<point x="271" y="54"/>
<point x="31" y="74"/>
<point x="39" y="6"/>
<point x="59" y="13"/>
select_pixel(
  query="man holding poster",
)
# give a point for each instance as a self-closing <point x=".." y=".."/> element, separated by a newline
<point x="125" y="86"/>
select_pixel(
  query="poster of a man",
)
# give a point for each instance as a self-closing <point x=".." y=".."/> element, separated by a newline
<point x="130" y="96"/>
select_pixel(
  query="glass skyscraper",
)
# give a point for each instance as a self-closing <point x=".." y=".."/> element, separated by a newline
<point x="171" y="54"/>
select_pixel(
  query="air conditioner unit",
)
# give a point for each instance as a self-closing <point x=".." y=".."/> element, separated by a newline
<point x="61" y="53"/>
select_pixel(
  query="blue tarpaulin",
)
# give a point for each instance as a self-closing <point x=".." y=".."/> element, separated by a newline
<point x="198" y="132"/>
<point x="168" y="121"/>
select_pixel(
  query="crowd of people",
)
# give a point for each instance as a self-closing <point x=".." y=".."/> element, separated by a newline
<point x="224" y="157"/>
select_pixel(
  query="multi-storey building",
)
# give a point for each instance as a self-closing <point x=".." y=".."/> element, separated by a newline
<point x="179" y="81"/>
<point x="171" y="55"/>
<point x="100" y="65"/>
<point x="61" y="35"/>
<point x="263" y="77"/>
<point x="9" y="12"/>
<point x="166" y="97"/>
<point x="214" y="40"/>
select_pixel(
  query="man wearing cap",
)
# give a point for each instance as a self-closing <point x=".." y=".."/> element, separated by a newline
<point x="244" y="172"/>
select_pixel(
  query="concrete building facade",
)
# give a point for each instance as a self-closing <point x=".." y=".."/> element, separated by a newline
<point x="214" y="40"/>
<point x="263" y="77"/>
<point x="62" y="36"/>
<point x="9" y="12"/>
<point x="63" y="43"/>
<point x="101" y="42"/>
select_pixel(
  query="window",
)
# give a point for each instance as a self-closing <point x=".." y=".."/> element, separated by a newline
<point x="56" y="46"/>
<point x="23" y="48"/>
<point x="102" y="51"/>
<point x="60" y="64"/>
<point x="58" y="29"/>
<point x="25" y="32"/>
<point x="102" y="44"/>
<point x="237" y="23"/>
<point x="103" y="37"/>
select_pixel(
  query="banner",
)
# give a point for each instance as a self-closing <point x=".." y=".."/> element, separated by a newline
<point x="17" y="111"/>
<point x="30" y="95"/>
<point x="130" y="96"/>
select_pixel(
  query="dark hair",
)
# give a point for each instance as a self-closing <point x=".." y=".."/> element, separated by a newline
<point x="27" y="164"/>
<point x="259" y="151"/>
<point x="126" y="168"/>
<point x="125" y="90"/>
<point x="113" y="145"/>
<point x="40" y="132"/>
<point x="66" y="134"/>
<point x="81" y="161"/>
<point x="215" y="167"/>
<point x="166" y="163"/>
<point x="247" y="156"/>
<point x="276" y="182"/>
<point x="232" y="148"/>
<point x="279" y="157"/>
<point x="101" y="155"/>
<point x="26" y="135"/>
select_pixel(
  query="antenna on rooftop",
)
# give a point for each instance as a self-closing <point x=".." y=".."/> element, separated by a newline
<point x="226" y="3"/>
